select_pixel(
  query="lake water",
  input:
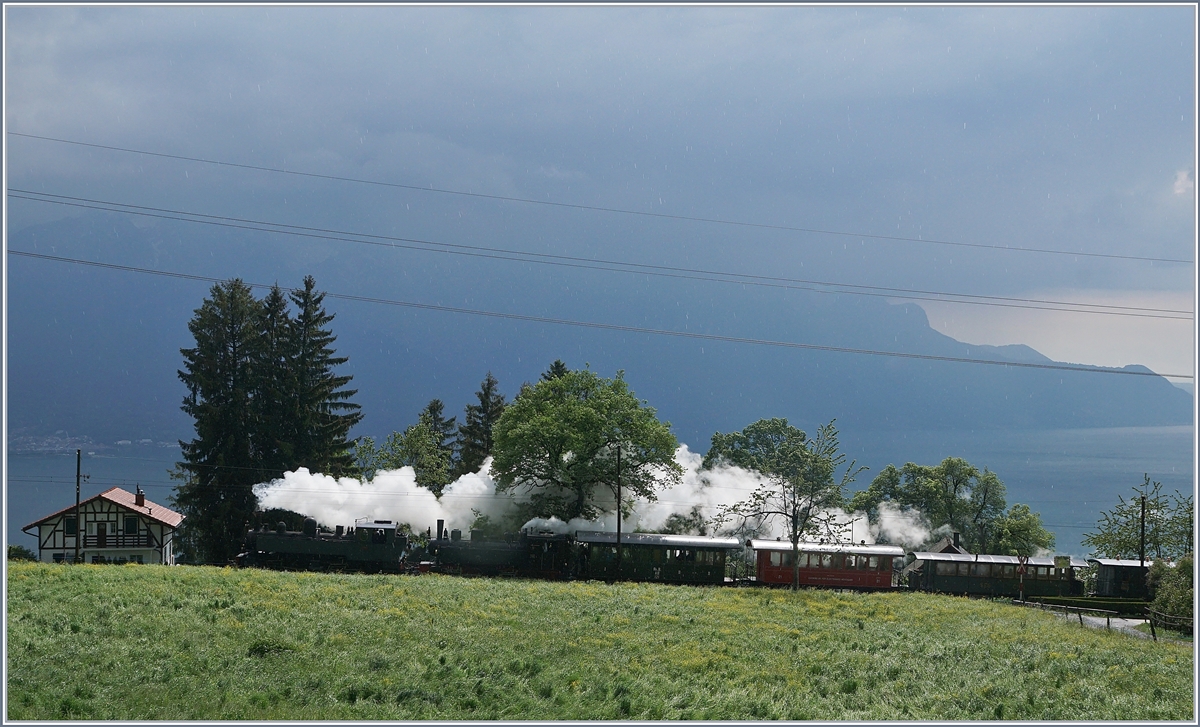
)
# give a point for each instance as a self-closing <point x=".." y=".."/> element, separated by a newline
<point x="1069" y="476"/>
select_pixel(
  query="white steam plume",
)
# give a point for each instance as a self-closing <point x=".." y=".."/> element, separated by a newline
<point x="395" y="495"/>
<point x="905" y="527"/>
<point x="392" y="495"/>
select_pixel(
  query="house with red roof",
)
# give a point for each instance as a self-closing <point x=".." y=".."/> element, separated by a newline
<point x="116" y="526"/>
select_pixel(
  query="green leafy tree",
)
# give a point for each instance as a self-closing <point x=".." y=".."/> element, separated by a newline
<point x="1019" y="532"/>
<point x="985" y="518"/>
<point x="569" y="437"/>
<point x="474" y="442"/>
<point x="956" y="494"/>
<point x="416" y="447"/>
<point x="1169" y="525"/>
<point x="220" y="466"/>
<point x="797" y="479"/>
<point x="321" y="408"/>
<point x="1173" y="587"/>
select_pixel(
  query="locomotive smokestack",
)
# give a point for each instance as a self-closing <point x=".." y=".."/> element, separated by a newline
<point x="440" y="524"/>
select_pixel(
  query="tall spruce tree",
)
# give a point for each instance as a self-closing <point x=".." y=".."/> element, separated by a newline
<point x="219" y="467"/>
<point x="273" y="364"/>
<point x="441" y="426"/>
<point x="475" y="434"/>
<point x="557" y="370"/>
<point x="321" y="408"/>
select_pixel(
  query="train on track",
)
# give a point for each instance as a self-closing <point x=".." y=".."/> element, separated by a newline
<point x="377" y="546"/>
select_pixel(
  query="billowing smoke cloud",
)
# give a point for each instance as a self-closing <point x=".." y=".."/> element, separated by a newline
<point x="392" y="495"/>
<point x="904" y="527"/>
<point x="395" y="495"/>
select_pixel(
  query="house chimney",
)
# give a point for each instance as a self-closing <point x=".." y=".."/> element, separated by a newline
<point x="140" y="498"/>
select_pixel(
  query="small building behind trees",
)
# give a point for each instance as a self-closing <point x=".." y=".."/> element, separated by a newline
<point x="1121" y="578"/>
<point x="117" y="526"/>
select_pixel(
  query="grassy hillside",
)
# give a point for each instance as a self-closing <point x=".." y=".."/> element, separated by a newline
<point x="148" y="642"/>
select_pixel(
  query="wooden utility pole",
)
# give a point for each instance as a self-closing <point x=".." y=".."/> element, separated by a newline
<point x="1142" y="546"/>
<point x="78" y="459"/>
<point x="618" y="511"/>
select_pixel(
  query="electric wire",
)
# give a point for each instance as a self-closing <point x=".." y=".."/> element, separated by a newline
<point x="601" y="264"/>
<point x="621" y="328"/>
<point x="596" y="208"/>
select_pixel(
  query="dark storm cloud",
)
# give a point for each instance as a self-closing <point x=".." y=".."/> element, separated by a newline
<point x="1035" y="127"/>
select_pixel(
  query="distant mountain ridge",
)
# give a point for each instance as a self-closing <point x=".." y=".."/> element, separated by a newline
<point x="95" y="351"/>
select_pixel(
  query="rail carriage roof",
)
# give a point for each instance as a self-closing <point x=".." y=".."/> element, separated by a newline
<point x="673" y="541"/>
<point x="984" y="558"/>
<point x="1122" y="562"/>
<point x="849" y="548"/>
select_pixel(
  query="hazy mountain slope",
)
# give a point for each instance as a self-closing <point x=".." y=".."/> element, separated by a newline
<point x="96" y="351"/>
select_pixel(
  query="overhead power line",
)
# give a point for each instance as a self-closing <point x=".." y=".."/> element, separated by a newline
<point x="621" y="328"/>
<point x="599" y="264"/>
<point x="597" y="208"/>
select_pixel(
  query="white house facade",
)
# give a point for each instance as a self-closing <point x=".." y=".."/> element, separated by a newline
<point x="116" y="526"/>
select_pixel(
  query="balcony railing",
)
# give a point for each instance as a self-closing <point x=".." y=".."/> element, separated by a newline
<point x="117" y="541"/>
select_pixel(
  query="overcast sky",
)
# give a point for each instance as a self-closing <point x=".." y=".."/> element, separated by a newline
<point x="1067" y="128"/>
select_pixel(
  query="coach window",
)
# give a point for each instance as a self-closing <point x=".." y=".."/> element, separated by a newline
<point x="964" y="569"/>
<point x="776" y="558"/>
<point x="1009" y="571"/>
<point x="873" y="562"/>
<point x="982" y="570"/>
<point x="945" y="569"/>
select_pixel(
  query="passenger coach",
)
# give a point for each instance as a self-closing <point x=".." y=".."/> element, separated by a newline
<point x="653" y="557"/>
<point x="993" y="575"/>
<point x="826" y="565"/>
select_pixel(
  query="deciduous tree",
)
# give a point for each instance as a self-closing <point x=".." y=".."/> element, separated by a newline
<point x="797" y="478"/>
<point x="569" y="437"/>
<point x="1169" y="523"/>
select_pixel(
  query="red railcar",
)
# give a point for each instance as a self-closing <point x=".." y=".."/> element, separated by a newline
<point x="827" y="565"/>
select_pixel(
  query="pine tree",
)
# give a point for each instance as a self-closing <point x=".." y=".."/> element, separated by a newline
<point x="219" y="467"/>
<point x="475" y="435"/>
<point x="441" y="426"/>
<point x="273" y="364"/>
<point x="557" y="369"/>
<point x="320" y="407"/>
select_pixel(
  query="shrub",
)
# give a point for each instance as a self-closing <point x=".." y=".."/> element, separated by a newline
<point x="1173" y="587"/>
<point x="20" y="552"/>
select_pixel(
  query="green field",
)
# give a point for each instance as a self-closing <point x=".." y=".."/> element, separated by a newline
<point x="160" y="643"/>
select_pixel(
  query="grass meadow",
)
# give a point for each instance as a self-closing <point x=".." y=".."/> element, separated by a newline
<point x="163" y="643"/>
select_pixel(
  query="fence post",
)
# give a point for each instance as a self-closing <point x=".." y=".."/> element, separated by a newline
<point x="1150" y="618"/>
<point x="1080" y="617"/>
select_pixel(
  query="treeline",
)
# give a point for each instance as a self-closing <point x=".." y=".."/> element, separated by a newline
<point x="264" y="399"/>
<point x="438" y="449"/>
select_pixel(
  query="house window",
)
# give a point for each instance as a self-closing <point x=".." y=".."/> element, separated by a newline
<point x="131" y="526"/>
<point x="70" y="526"/>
